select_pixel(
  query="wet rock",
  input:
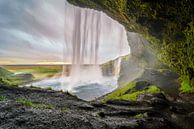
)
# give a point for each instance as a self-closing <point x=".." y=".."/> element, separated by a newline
<point x="85" y="106"/>
<point x="122" y="102"/>
<point x="144" y="97"/>
<point x="176" y="109"/>
<point x="127" y="126"/>
<point x="157" y="123"/>
<point x="153" y="99"/>
<point x="101" y="114"/>
<point x="157" y="102"/>
<point x="20" y="121"/>
<point x="191" y="116"/>
<point x="115" y="114"/>
<point x="98" y="104"/>
<point x="140" y="85"/>
<point x="159" y="95"/>
<point x="121" y="113"/>
<point x="152" y="114"/>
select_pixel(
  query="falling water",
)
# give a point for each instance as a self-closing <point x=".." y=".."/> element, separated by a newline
<point x="87" y="30"/>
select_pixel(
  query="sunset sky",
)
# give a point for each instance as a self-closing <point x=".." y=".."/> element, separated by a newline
<point x="32" y="32"/>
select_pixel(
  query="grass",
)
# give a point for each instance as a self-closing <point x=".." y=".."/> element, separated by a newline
<point x="9" y="76"/>
<point x="29" y="103"/>
<point x="11" y="81"/>
<point x="3" y="98"/>
<point x="39" y="72"/>
<point x="133" y="95"/>
<point x="4" y="72"/>
<point x="120" y="91"/>
<point x="48" y="88"/>
<point x="186" y="85"/>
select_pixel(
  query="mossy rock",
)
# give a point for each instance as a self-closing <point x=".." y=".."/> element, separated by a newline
<point x="132" y="90"/>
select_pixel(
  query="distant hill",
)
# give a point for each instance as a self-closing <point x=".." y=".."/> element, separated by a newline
<point x="5" y="72"/>
<point x="10" y="79"/>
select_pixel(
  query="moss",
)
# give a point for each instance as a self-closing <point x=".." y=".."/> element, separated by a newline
<point x="179" y="55"/>
<point x="29" y="103"/>
<point x="134" y="95"/>
<point x="138" y="116"/>
<point x="12" y="81"/>
<point x="48" y="88"/>
<point x="4" y="81"/>
<point x="3" y="98"/>
<point x="119" y="92"/>
<point x="35" y="87"/>
<point x="186" y="85"/>
<point x="129" y="92"/>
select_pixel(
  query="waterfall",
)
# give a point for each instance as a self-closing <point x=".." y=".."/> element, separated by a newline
<point x="85" y="32"/>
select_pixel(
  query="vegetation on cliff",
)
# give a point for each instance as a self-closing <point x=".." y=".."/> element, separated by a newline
<point x="132" y="90"/>
<point x="10" y="79"/>
<point x="167" y="25"/>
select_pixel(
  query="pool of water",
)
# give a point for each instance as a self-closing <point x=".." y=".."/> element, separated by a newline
<point x="84" y="90"/>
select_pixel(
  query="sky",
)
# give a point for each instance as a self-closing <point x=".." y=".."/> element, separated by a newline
<point x="32" y="32"/>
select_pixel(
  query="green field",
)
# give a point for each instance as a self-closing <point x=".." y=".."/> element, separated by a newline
<point x="14" y="75"/>
<point x="38" y="71"/>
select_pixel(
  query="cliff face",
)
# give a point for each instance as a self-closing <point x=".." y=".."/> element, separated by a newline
<point x="142" y="65"/>
<point x="141" y="57"/>
<point x="167" y="25"/>
<point x="160" y="18"/>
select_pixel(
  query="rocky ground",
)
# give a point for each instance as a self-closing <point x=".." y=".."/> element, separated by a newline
<point x="22" y="108"/>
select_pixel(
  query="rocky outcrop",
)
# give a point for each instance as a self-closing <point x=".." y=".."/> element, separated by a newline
<point x="150" y="111"/>
<point x="141" y="57"/>
<point x="143" y="65"/>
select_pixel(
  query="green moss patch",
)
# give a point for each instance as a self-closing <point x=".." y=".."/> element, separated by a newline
<point x="138" y="116"/>
<point x="121" y="91"/>
<point x="8" y="78"/>
<point x="186" y="85"/>
<point x="130" y="92"/>
<point x="29" y="103"/>
<point x="3" y="98"/>
<point x="134" y="95"/>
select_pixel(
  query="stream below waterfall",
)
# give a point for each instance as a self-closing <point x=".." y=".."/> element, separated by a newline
<point x="84" y="90"/>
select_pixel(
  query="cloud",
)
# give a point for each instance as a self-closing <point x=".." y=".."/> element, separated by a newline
<point x="30" y="30"/>
<point x="33" y="31"/>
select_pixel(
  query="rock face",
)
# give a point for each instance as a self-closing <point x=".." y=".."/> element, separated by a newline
<point x="151" y="111"/>
<point x="141" y="57"/>
<point x="142" y="65"/>
<point x="164" y="78"/>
